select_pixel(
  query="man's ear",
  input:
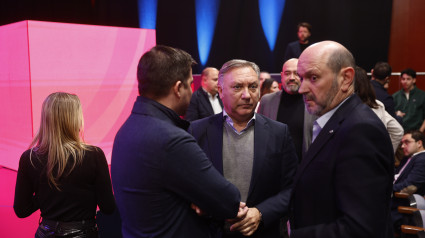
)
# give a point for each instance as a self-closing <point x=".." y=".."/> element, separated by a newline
<point x="220" y="91"/>
<point x="420" y="143"/>
<point x="176" y="88"/>
<point x="347" y="74"/>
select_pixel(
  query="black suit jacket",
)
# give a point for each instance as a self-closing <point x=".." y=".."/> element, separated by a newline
<point x="274" y="165"/>
<point x="200" y="106"/>
<point x="344" y="183"/>
<point x="158" y="170"/>
<point x="413" y="174"/>
<point x="383" y="96"/>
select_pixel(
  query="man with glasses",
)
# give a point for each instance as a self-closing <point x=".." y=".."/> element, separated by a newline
<point x="410" y="174"/>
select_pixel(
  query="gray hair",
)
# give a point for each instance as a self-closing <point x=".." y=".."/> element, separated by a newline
<point x="235" y="64"/>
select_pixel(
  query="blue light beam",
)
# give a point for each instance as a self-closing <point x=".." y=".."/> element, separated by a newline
<point x="271" y="14"/>
<point x="147" y="13"/>
<point x="206" y="18"/>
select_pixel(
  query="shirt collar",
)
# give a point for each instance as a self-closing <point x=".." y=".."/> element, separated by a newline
<point x="325" y="117"/>
<point x="209" y="94"/>
<point x="229" y="121"/>
<point x="420" y="152"/>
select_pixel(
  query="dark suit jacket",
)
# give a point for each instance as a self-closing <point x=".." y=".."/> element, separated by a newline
<point x="158" y="170"/>
<point x="269" y="107"/>
<point x="413" y="174"/>
<point x="293" y="50"/>
<point x="200" y="106"/>
<point x="274" y="165"/>
<point x="383" y="96"/>
<point x="344" y="183"/>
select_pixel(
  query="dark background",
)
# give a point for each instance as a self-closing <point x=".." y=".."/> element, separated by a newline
<point x="360" y="25"/>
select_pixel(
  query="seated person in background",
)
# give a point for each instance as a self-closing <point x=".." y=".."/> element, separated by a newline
<point x="61" y="175"/>
<point x="411" y="172"/>
<point x="269" y="86"/>
<point x="205" y="101"/>
<point x="410" y="102"/>
<point x="364" y="89"/>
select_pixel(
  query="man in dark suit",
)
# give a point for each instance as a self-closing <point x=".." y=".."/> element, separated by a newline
<point x="252" y="151"/>
<point x="410" y="174"/>
<point x="205" y="101"/>
<point x="344" y="183"/>
<point x="295" y="48"/>
<point x="287" y="106"/>
<point x="158" y="169"/>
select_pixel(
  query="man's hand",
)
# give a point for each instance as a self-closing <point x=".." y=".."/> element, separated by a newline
<point x="248" y="225"/>
<point x="411" y="189"/>
<point x="243" y="210"/>
<point x="197" y="210"/>
<point x="400" y="113"/>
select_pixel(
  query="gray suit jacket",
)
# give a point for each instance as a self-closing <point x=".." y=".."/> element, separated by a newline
<point x="269" y="106"/>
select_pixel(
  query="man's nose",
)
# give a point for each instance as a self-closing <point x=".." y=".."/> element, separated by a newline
<point x="303" y="87"/>
<point x="245" y="93"/>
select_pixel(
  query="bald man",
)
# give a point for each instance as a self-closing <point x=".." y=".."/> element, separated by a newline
<point x="287" y="106"/>
<point x="205" y="101"/>
<point x="343" y="185"/>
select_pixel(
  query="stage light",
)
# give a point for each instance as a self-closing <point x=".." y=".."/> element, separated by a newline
<point x="206" y="16"/>
<point x="271" y="14"/>
<point x="147" y="13"/>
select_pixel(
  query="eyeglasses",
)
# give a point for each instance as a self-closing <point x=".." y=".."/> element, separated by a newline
<point x="406" y="142"/>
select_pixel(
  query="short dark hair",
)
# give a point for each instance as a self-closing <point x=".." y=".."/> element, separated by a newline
<point x="340" y="58"/>
<point x="382" y="70"/>
<point x="417" y="136"/>
<point x="306" y="25"/>
<point x="410" y="72"/>
<point x="160" y="68"/>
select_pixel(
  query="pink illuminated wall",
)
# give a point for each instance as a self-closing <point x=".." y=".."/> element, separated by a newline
<point x="97" y="63"/>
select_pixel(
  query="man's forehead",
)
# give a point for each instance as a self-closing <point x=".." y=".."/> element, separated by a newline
<point x="406" y="76"/>
<point x="290" y="65"/>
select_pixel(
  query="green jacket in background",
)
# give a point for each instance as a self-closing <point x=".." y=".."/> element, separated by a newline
<point x="414" y="108"/>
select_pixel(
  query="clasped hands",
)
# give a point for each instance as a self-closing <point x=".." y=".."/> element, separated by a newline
<point x="246" y="222"/>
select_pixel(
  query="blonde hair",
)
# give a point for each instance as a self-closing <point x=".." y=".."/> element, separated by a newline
<point x="59" y="135"/>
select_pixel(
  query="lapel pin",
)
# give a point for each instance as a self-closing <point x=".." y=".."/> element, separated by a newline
<point x="331" y="131"/>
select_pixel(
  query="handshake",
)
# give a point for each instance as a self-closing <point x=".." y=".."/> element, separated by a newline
<point x="246" y="222"/>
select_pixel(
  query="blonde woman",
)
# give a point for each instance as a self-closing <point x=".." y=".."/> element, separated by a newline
<point x="61" y="175"/>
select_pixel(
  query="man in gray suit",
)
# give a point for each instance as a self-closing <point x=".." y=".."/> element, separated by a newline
<point x="287" y="106"/>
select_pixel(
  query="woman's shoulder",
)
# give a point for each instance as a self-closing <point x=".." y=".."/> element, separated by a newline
<point x="94" y="150"/>
<point x="31" y="157"/>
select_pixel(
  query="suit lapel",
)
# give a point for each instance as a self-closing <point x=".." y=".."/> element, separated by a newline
<point x="260" y="144"/>
<point x="206" y="102"/>
<point x="327" y="133"/>
<point x="215" y="141"/>
<point x="406" y="170"/>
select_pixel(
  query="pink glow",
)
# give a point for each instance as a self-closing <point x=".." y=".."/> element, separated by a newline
<point x="97" y="63"/>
